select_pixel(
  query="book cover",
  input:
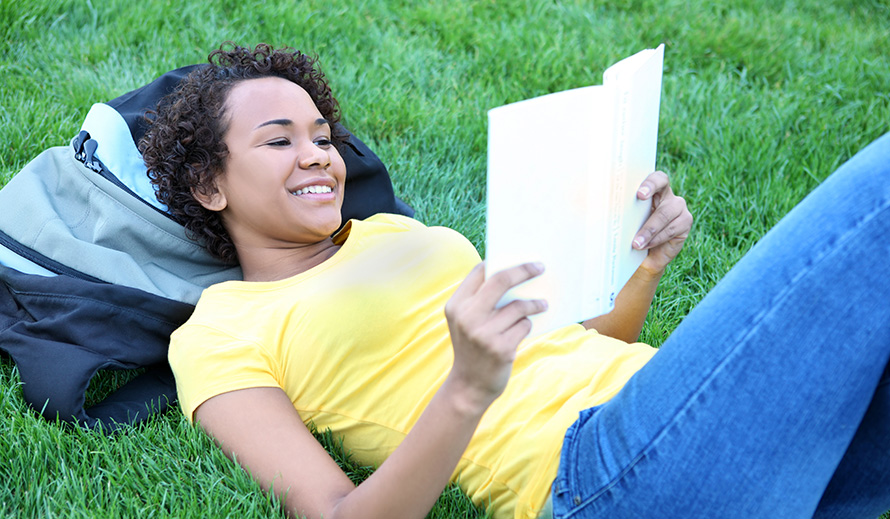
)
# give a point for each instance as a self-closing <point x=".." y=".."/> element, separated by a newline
<point x="563" y="171"/>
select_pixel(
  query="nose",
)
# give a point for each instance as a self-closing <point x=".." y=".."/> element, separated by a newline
<point x="313" y="156"/>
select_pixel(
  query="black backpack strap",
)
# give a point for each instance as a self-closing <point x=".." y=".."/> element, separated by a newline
<point x="60" y="331"/>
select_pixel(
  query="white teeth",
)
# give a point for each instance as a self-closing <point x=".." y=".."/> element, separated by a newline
<point x="313" y="189"/>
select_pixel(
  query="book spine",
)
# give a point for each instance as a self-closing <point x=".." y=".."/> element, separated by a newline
<point x="621" y="96"/>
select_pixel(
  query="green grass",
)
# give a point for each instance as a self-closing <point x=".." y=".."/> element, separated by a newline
<point x="762" y="99"/>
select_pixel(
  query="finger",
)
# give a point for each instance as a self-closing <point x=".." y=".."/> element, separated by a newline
<point x="509" y="325"/>
<point x="679" y="227"/>
<point x="471" y="283"/>
<point x="654" y="183"/>
<point x="665" y="222"/>
<point x="456" y="304"/>
<point x="517" y="332"/>
<point x="494" y="288"/>
<point x="507" y="316"/>
<point x="514" y="318"/>
<point x="655" y="224"/>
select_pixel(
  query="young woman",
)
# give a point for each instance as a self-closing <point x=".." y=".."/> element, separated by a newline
<point x="772" y="399"/>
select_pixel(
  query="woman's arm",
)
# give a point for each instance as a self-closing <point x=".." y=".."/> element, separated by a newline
<point x="262" y="431"/>
<point x="663" y="234"/>
<point x="632" y="304"/>
<point x="260" y="428"/>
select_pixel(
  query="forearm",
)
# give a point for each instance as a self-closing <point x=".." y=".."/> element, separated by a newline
<point x="410" y="481"/>
<point x="261" y="429"/>
<point x="631" y="307"/>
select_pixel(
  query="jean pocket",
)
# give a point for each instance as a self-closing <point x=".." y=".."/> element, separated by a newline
<point x="563" y="496"/>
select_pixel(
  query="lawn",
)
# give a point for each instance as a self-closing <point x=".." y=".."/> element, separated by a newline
<point x="762" y="99"/>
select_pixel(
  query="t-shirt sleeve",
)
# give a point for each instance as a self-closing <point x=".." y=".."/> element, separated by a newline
<point x="207" y="362"/>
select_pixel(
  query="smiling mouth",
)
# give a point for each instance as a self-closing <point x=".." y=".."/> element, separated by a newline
<point x="312" y="190"/>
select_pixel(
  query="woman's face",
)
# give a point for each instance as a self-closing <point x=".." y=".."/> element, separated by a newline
<point x="283" y="181"/>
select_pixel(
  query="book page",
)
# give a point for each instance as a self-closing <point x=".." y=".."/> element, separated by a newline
<point x="539" y="195"/>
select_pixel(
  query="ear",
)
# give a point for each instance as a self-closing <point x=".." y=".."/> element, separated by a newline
<point x="210" y="197"/>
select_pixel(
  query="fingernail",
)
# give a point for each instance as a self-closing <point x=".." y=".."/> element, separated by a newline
<point x="638" y="242"/>
<point x="643" y="191"/>
<point x="538" y="266"/>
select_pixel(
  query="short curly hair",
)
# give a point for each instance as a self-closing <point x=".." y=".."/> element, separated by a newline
<point x="183" y="147"/>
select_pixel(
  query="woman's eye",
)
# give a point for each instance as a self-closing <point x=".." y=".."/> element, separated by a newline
<point x="279" y="142"/>
<point x="323" y="142"/>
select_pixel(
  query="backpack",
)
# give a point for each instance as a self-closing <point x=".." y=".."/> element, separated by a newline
<point x="95" y="274"/>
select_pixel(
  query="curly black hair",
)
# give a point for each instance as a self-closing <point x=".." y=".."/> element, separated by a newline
<point x="183" y="147"/>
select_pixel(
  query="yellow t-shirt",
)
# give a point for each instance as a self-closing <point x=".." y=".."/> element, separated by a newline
<point x="360" y="344"/>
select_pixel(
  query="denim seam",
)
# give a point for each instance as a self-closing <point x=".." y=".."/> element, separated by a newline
<point x="816" y="260"/>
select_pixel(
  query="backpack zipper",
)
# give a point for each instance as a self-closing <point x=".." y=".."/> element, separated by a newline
<point x="85" y="152"/>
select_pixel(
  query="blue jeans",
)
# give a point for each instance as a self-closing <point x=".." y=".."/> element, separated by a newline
<point x="772" y="398"/>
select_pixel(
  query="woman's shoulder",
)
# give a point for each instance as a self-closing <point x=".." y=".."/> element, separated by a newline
<point x="230" y="308"/>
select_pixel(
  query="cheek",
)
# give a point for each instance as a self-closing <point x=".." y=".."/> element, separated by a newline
<point x="338" y="167"/>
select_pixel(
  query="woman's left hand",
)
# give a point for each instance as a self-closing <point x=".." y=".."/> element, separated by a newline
<point x="667" y="228"/>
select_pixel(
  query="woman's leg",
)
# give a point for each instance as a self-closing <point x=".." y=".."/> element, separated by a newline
<point x="752" y="405"/>
<point x="865" y="467"/>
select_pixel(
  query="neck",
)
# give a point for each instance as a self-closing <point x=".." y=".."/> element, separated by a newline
<point x="274" y="264"/>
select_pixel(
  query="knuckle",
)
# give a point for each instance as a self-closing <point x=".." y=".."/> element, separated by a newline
<point x="506" y="279"/>
<point x="528" y="269"/>
<point x="535" y="306"/>
<point x="525" y="325"/>
<point x="456" y="313"/>
<point x="525" y="307"/>
<point x="451" y="309"/>
<point x="528" y="306"/>
<point x="661" y="178"/>
<point x="514" y="335"/>
<point x="476" y="335"/>
<point x="501" y="279"/>
<point x="661" y="219"/>
<point x="449" y="314"/>
<point x="512" y="309"/>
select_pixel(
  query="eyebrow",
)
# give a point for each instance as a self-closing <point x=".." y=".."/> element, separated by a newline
<point x="287" y="122"/>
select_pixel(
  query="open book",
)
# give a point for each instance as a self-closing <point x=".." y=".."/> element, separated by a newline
<point x="563" y="172"/>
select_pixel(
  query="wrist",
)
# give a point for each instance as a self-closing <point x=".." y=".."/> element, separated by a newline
<point x="648" y="274"/>
<point x="464" y="399"/>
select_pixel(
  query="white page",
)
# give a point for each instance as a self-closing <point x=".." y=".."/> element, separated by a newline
<point x="538" y="195"/>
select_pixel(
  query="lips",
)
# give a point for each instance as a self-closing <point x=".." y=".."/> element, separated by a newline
<point x="320" y="187"/>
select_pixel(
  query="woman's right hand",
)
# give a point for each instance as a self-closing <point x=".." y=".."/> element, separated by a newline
<point x="485" y="337"/>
